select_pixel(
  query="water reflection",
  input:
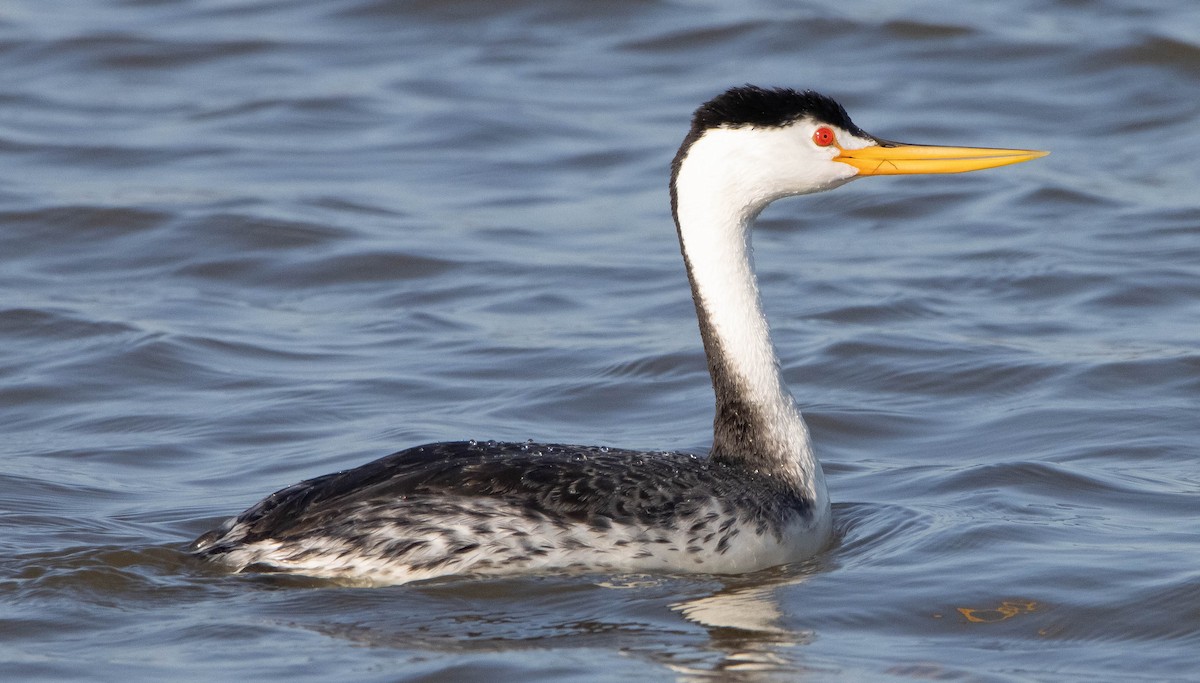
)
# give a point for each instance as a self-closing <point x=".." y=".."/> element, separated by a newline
<point x="746" y="630"/>
<point x="729" y="627"/>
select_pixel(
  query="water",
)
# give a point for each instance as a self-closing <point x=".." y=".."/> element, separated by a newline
<point x="247" y="242"/>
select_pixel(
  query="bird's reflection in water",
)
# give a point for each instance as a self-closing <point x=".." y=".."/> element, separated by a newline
<point x="747" y="632"/>
<point x="745" y="637"/>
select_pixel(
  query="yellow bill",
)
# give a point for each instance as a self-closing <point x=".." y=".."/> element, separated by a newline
<point x="891" y="158"/>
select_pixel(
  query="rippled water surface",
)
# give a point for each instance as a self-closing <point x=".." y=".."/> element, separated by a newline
<point x="246" y="242"/>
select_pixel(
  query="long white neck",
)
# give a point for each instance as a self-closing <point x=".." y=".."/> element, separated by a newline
<point x="757" y="422"/>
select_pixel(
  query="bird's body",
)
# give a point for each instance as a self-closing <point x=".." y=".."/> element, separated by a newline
<point x="757" y="500"/>
<point x="498" y="508"/>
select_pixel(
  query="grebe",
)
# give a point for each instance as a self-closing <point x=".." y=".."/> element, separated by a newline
<point x="757" y="500"/>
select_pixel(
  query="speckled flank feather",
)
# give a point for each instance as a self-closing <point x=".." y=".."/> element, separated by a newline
<point x="494" y="508"/>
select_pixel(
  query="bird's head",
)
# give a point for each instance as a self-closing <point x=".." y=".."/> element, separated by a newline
<point x="750" y="146"/>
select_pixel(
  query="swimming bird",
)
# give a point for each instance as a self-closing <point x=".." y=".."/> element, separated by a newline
<point x="757" y="500"/>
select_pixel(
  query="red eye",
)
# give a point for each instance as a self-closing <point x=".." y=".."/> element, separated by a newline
<point x="823" y="136"/>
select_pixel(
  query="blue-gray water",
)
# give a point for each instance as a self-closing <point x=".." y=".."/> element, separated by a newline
<point x="245" y="242"/>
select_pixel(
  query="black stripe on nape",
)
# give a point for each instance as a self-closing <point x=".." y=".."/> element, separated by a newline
<point x="750" y="105"/>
